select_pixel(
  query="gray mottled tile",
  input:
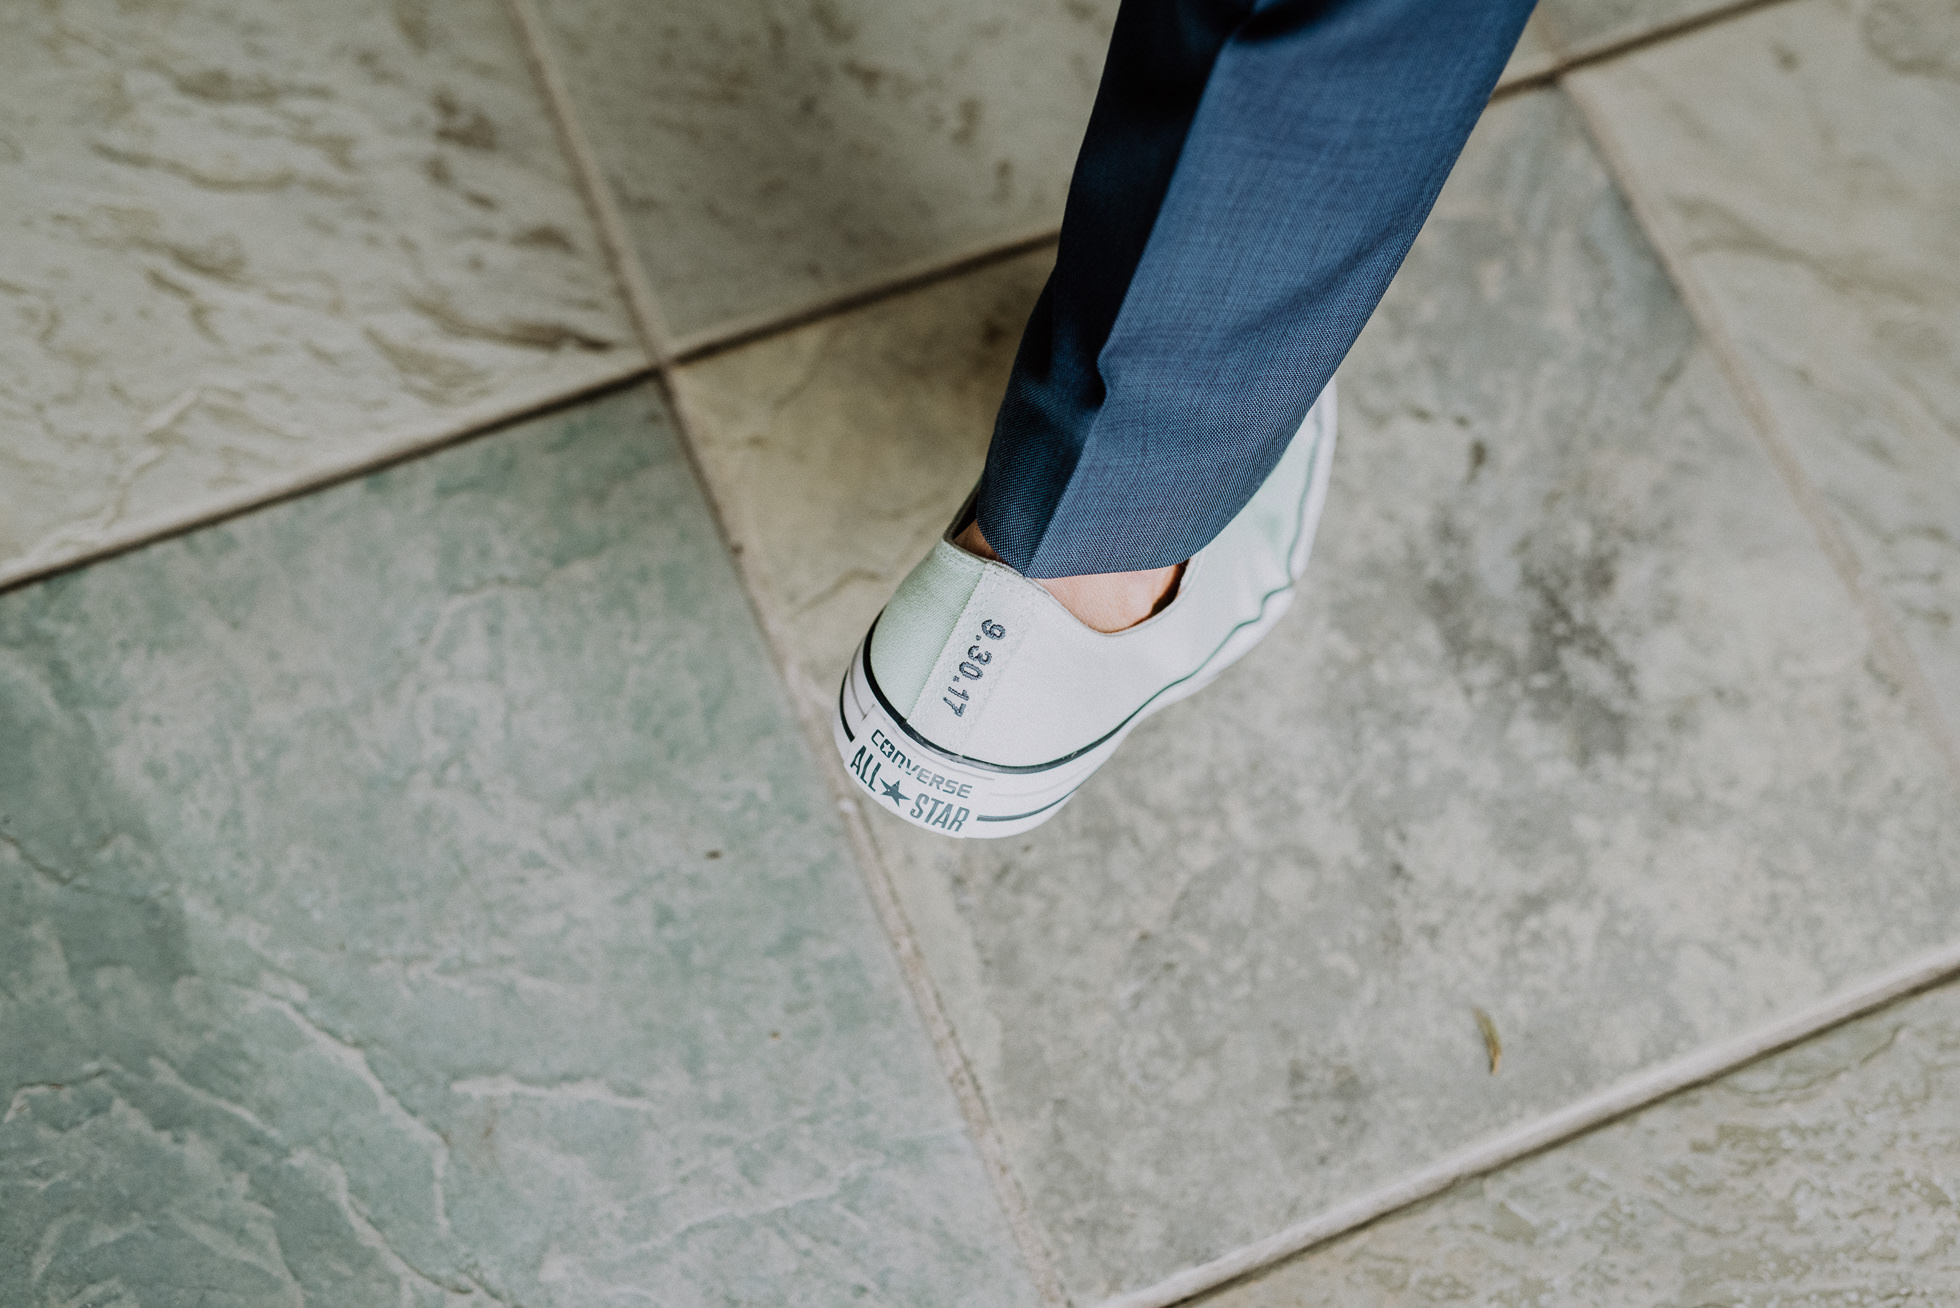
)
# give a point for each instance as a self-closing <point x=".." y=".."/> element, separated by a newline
<point x="1802" y="168"/>
<point x="1825" y="1175"/>
<point x="249" y="245"/>
<point x="419" y="894"/>
<point x="767" y="155"/>
<point x="1574" y="724"/>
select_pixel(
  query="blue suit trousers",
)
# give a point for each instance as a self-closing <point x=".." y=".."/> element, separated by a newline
<point x="1253" y="174"/>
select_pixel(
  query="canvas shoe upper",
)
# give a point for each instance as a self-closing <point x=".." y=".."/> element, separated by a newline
<point x="976" y="704"/>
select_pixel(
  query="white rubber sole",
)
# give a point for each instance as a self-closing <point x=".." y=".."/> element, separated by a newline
<point x="971" y="799"/>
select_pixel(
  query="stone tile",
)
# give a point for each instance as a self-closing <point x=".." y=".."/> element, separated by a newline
<point x="251" y="245"/>
<point x="1801" y="167"/>
<point x="1574" y="724"/>
<point x="1581" y="27"/>
<point x="418" y="893"/>
<point x="768" y="156"/>
<point x="1824" y="1175"/>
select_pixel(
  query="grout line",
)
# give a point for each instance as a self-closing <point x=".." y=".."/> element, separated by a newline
<point x="992" y="1149"/>
<point x="1629" y="1096"/>
<point x="1697" y="1068"/>
<point x="661" y="343"/>
<point x="464" y="426"/>
<point x="693" y="346"/>
<point x="1616" y="47"/>
<point x="814" y="722"/>
<point x="669" y="349"/>
<point x="731" y="335"/>
<point x="1892" y="646"/>
<point x="1537" y="81"/>
<point x="924" y="273"/>
<point x="408" y="445"/>
<point x="591" y="179"/>
<point x="632" y="278"/>
<point x="666" y="351"/>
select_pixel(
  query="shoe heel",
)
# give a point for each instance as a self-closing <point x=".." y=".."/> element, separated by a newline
<point x="934" y="790"/>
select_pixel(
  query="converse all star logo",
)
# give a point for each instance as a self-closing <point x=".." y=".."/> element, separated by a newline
<point x="868" y="767"/>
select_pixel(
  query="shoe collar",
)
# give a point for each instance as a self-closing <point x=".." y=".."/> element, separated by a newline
<point x="970" y="511"/>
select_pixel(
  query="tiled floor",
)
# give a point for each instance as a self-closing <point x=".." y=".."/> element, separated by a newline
<point x="1830" y="263"/>
<point x="1576" y="726"/>
<point x="249" y="246"/>
<point x="1823" y="1175"/>
<point x="421" y="891"/>
<point x="766" y="157"/>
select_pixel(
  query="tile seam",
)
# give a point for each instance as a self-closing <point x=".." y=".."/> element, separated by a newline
<point x="1640" y="1091"/>
<point x="1585" y="55"/>
<point x="1614" y="47"/>
<point x="917" y="276"/>
<point x="642" y="307"/>
<point x="1893" y="647"/>
<point x="735" y="333"/>
<point x="982" y="1130"/>
<point x="645" y="312"/>
<point x="671" y="349"/>
<point x="1029" y="1238"/>
<point x="410" y="443"/>
<point x="417" y="441"/>
<point x="591" y="177"/>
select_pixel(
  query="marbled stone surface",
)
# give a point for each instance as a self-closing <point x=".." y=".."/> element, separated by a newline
<point x="1801" y="165"/>
<point x="419" y="894"/>
<point x="248" y="245"/>
<point x="1825" y="1175"/>
<point x="766" y="156"/>
<point x="1574" y="724"/>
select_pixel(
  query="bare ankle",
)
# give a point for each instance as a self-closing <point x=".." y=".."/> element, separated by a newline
<point x="1105" y="601"/>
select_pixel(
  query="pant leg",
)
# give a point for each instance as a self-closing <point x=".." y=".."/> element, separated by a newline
<point x="1253" y="174"/>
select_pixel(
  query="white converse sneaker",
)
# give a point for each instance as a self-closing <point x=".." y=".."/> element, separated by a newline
<point x="976" y="703"/>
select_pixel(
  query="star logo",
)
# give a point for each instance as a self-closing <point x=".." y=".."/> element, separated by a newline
<point x="893" y="793"/>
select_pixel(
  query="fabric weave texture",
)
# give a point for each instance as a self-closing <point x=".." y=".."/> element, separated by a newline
<point x="1252" y="176"/>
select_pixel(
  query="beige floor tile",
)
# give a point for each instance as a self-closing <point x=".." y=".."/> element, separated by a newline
<point x="766" y="157"/>
<point x="249" y="246"/>
<point x="1801" y="169"/>
<point x="1574" y="723"/>
<point x="1824" y="1175"/>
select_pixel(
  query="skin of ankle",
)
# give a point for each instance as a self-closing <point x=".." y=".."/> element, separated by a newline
<point x="1103" y="601"/>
